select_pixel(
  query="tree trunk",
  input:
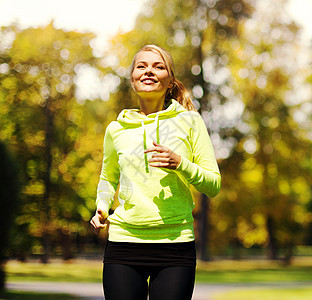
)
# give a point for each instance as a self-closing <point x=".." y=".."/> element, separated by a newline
<point x="45" y="210"/>
<point x="203" y="229"/>
<point x="236" y="245"/>
<point x="66" y="244"/>
<point x="273" y="250"/>
<point x="2" y="277"/>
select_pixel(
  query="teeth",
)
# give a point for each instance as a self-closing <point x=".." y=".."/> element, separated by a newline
<point x="149" y="80"/>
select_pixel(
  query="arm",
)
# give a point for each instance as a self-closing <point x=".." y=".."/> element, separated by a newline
<point x="109" y="176"/>
<point x="108" y="182"/>
<point x="203" y="172"/>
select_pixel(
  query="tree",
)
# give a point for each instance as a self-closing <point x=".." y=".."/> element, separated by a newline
<point x="269" y="191"/>
<point x="47" y="129"/>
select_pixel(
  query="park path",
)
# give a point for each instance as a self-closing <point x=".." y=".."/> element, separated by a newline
<point x="93" y="291"/>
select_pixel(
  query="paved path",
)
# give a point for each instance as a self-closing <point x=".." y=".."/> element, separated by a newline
<point x="93" y="291"/>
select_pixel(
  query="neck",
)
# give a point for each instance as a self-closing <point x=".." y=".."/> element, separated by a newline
<point x="148" y="106"/>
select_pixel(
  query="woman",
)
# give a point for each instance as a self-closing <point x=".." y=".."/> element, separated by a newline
<point x="153" y="154"/>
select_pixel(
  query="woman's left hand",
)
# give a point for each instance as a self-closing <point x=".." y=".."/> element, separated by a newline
<point x="163" y="157"/>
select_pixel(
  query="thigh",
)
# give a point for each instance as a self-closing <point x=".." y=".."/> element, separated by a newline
<point x="172" y="283"/>
<point x="123" y="282"/>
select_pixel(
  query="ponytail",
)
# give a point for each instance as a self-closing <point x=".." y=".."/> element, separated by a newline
<point x="179" y="93"/>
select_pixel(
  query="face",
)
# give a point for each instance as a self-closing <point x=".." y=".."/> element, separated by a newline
<point x="150" y="76"/>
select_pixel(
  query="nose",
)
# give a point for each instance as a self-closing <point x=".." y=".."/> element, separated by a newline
<point x="149" y="70"/>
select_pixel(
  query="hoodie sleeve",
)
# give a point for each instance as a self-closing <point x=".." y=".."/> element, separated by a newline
<point x="203" y="172"/>
<point x="109" y="177"/>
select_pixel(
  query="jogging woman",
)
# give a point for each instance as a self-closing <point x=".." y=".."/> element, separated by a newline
<point x="153" y="154"/>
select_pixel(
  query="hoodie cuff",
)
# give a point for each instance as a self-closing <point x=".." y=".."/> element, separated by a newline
<point x="179" y="162"/>
<point x="184" y="168"/>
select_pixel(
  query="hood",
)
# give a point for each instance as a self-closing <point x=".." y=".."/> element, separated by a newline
<point x="128" y="117"/>
<point x="132" y="118"/>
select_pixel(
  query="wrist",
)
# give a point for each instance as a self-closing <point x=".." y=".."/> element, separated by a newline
<point x="179" y="161"/>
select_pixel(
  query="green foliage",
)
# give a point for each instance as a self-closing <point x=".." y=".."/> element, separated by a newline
<point x="58" y="141"/>
<point x="266" y="195"/>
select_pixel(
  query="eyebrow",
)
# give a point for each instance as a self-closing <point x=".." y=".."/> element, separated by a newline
<point x="144" y="62"/>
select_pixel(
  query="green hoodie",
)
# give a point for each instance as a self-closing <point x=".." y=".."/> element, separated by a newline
<point x="155" y="203"/>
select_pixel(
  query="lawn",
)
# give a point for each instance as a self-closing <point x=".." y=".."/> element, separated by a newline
<point x="219" y="271"/>
<point x="254" y="271"/>
<point x="57" y="271"/>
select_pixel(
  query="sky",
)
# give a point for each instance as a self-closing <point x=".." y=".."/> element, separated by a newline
<point x="300" y="11"/>
<point x="100" y="16"/>
<point x="104" y="17"/>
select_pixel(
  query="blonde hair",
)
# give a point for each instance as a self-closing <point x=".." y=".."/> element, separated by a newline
<point x="177" y="90"/>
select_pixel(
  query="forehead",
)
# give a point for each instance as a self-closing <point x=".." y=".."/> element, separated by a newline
<point x="149" y="56"/>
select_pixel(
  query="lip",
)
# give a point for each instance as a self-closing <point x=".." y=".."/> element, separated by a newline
<point x="148" y="80"/>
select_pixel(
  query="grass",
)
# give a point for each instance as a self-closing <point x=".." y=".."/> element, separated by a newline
<point x="254" y="271"/>
<point x="221" y="271"/>
<point x="35" y="296"/>
<point x="267" y="294"/>
<point x="57" y="271"/>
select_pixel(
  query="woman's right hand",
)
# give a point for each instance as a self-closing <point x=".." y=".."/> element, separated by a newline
<point x="98" y="220"/>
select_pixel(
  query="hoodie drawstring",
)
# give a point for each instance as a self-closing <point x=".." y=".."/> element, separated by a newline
<point x="144" y="147"/>
<point x="157" y="128"/>
<point x="144" y="140"/>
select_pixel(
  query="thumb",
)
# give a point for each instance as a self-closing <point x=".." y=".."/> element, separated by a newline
<point x="103" y="214"/>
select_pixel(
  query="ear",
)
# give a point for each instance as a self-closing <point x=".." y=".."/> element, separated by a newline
<point x="170" y="85"/>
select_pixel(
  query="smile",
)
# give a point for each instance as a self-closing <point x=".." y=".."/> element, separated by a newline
<point x="148" y="80"/>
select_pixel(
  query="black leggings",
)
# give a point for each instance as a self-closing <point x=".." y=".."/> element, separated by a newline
<point x="124" y="282"/>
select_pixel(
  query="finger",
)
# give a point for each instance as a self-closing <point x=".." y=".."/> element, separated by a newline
<point x="161" y="154"/>
<point x="98" y="230"/>
<point x="97" y="226"/>
<point x="102" y="226"/>
<point x="160" y="159"/>
<point x="150" y="149"/>
<point x="97" y="222"/>
<point x="157" y="149"/>
<point x="94" y="227"/>
<point x="155" y="144"/>
<point x="159" y="165"/>
<point x="93" y="223"/>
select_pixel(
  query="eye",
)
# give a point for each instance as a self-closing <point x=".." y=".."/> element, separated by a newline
<point x="140" y="67"/>
<point x="160" y="67"/>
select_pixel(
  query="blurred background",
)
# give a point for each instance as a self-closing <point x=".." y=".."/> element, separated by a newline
<point x="64" y="76"/>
